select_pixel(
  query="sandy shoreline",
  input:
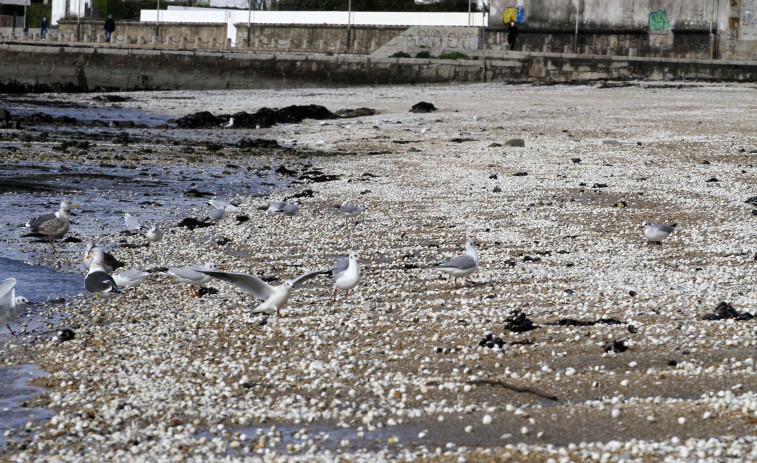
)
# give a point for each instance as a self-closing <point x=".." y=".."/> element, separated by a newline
<point x="167" y="377"/>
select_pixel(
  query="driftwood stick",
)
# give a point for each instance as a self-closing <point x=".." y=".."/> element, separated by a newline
<point x="512" y="387"/>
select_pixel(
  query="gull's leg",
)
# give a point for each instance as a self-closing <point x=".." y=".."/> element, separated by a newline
<point x="279" y="313"/>
<point x="346" y="294"/>
<point x="334" y="298"/>
<point x="9" y="329"/>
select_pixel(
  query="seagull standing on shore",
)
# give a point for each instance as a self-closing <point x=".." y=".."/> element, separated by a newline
<point x="53" y="226"/>
<point x="110" y="263"/>
<point x="130" y="279"/>
<point x="656" y="232"/>
<point x="153" y="235"/>
<point x="193" y="275"/>
<point x="229" y="124"/>
<point x="283" y="208"/>
<point x="98" y="281"/>
<point x="461" y="266"/>
<point x="273" y="297"/>
<point x="226" y="206"/>
<point x="132" y="223"/>
<point x="345" y="274"/>
<point x="10" y="304"/>
<point x="350" y="211"/>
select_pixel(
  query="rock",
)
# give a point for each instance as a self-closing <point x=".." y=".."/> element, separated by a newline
<point x="575" y="160"/>
<point x="620" y="204"/>
<point x="496" y="189"/>
<point x="423" y="107"/>
<point x="599" y="185"/>
<point x="358" y="112"/>
<point x="616" y="346"/>
<point x="192" y="223"/>
<point x="111" y="98"/>
<point x="520" y="174"/>
<point x="495" y="145"/>
<point x="724" y="310"/>
<point x="264" y="117"/>
<point x="712" y="180"/>
<point x="517" y="142"/>
<point x="752" y="201"/>
<point x="610" y="142"/>
<point x="518" y="322"/>
<point x="122" y="124"/>
<point x="193" y="193"/>
<point x="66" y="334"/>
<point x="461" y="140"/>
<point x="257" y="143"/>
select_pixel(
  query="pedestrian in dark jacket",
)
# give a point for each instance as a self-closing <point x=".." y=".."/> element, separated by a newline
<point x="43" y="26"/>
<point x="110" y="26"/>
<point x="512" y="35"/>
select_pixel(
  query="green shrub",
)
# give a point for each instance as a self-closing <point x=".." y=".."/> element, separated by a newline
<point x="35" y="13"/>
<point x="423" y="54"/>
<point x="400" y="54"/>
<point x="454" y="55"/>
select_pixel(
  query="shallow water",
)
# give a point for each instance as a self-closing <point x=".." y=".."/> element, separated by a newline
<point x="14" y="389"/>
<point x="88" y="113"/>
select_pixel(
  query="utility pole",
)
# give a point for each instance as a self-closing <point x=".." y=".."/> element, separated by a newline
<point x="249" y="21"/>
<point x="483" y="37"/>
<point x="157" y="21"/>
<point x="575" y="38"/>
<point x="349" y="20"/>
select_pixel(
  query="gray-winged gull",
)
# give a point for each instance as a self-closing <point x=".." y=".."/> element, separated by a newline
<point x="130" y="279"/>
<point x="110" y="263"/>
<point x="461" y="266"/>
<point x="98" y="281"/>
<point x="153" y="235"/>
<point x="132" y="223"/>
<point x="273" y="297"/>
<point x="193" y="275"/>
<point x="345" y="274"/>
<point x="656" y="232"/>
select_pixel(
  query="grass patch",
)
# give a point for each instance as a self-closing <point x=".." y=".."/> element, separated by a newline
<point x="400" y="54"/>
<point x="454" y="55"/>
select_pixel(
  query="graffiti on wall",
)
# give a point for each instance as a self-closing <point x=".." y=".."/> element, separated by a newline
<point x="748" y="25"/>
<point x="658" y="21"/>
<point x="441" y="38"/>
<point x="514" y="13"/>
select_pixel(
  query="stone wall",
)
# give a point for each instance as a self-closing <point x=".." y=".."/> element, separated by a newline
<point x="203" y="36"/>
<point x="129" y="69"/>
<point x="316" y="38"/>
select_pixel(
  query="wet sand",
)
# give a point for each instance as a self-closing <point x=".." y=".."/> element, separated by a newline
<point x="166" y="376"/>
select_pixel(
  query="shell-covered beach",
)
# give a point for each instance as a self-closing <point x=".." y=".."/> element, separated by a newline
<point x="569" y="299"/>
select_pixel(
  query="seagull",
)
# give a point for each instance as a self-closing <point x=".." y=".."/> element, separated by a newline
<point x="656" y="232"/>
<point x="98" y="281"/>
<point x="273" y="297"/>
<point x="153" y="235"/>
<point x="130" y="279"/>
<point x="193" y="275"/>
<point x="10" y="304"/>
<point x="216" y="215"/>
<point x="228" y="207"/>
<point x="349" y="211"/>
<point x="461" y="266"/>
<point x="54" y="225"/>
<point x="345" y="274"/>
<point x="132" y="223"/>
<point x="283" y="208"/>
<point x="110" y="263"/>
<point x="229" y="124"/>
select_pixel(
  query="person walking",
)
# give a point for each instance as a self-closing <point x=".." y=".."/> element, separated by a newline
<point x="512" y="35"/>
<point x="110" y="26"/>
<point x="43" y="26"/>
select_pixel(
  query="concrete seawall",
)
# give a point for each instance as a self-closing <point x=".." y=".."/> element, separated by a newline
<point x="90" y="67"/>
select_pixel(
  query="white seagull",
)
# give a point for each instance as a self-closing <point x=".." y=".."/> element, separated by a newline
<point x="10" y="304"/>
<point x="283" y="208"/>
<point x="273" y="297"/>
<point x="349" y="211"/>
<point x="461" y="266"/>
<point x="193" y="275"/>
<point x="229" y="124"/>
<point x="656" y="232"/>
<point x="98" y="281"/>
<point x="345" y="274"/>
<point x="216" y="214"/>
<point x="130" y="279"/>
<point x="153" y="235"/>
<point x="226" y="206"/>
<point x="132" y="223"/>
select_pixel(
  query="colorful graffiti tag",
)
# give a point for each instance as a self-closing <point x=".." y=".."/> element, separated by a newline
<point x="514" y="13"/>
<point x="658" y="21"/>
